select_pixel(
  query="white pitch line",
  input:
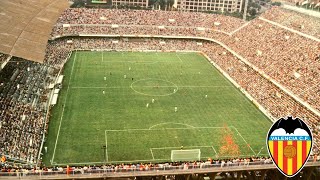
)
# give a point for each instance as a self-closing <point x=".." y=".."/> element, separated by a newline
<point x="171" y="123"/>
<point x="104" y="87"/>
<point x="84" y="163"/>
<point x="141" y="62"/>
<point x="183" y="147"/>
<point x="99" y="87"/>
<point x="105" y="133"/>
<point x="193" y="128"/>
<point x="151" y="153"/>
<point x="214" y="150"/>
<point x="187" y="86"/>
<point x="102" y="57"/>
<point x="244" y="139"/>
<point x="164" y="129"/>
<point x="65" y="101"/>
<point x="111" y="162"/>
<point x="179" y="57"/>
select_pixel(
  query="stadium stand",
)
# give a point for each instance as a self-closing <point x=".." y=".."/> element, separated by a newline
<point x="102" y="21"/>
<point x="142" y="17"/>
<point x="300" y="22"/>
<point x="129" y="169"/>
<point x="23" y="98"/>
<point x="289" y="58"/>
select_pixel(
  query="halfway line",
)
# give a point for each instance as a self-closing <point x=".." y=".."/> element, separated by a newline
<point x="99" y="87"/>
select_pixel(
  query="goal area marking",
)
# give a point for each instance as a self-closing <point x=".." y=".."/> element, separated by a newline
<point x="152" y="153"/>
<point x="152" y="149"/>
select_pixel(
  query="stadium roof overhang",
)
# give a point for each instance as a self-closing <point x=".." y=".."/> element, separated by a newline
<point x="25" y="26"/>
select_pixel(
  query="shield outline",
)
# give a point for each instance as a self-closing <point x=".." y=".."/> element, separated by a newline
<point x="307" y="157"/>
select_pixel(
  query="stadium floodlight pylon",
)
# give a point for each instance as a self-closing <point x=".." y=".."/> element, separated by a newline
<point x="186" y="155"/>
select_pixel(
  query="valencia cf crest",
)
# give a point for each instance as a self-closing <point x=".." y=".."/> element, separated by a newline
<point x="289" y="142"/>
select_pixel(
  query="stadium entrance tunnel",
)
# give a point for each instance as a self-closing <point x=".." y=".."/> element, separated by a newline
<point x="154" y="87"/>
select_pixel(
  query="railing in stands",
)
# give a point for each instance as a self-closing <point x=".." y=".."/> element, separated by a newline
<point x="164" y="169"/>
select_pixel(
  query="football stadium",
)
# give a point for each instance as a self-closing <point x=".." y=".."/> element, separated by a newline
<point x="145" y="90"/>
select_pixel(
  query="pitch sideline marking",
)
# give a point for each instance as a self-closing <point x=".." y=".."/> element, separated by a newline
<point x="102" y="57"/>
<point x="244" y="140"/>
<point x="105" y="133"/>
<point x="178" y="57"/>
<point x="171" y="123"/>
<point x="65" y="101"/>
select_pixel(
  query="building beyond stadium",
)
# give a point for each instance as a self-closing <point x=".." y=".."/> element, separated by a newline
<point x="191" y="5"/>
<point x="141" y="3"/>
<point x="209" y="5"/>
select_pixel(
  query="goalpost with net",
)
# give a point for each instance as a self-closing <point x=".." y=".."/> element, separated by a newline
<point x="185" y="155"/>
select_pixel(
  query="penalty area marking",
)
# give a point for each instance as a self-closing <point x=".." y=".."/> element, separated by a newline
<point x="154" y="160"/>
<point x="171" y="123"/>
<point x="150" y="129"/>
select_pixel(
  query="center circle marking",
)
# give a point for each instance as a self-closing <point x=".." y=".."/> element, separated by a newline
<point x="174" y="86"/>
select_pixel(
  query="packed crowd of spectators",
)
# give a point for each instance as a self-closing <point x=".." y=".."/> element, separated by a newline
<point x="290" y="59"/>
<point x="142" y="30"/>
<point x="133" y="22"/>
<point x="300" y="22"/>
<point x="21" y="130"/>
<point x="144" y="17"/>
<point x="22" y="102"/>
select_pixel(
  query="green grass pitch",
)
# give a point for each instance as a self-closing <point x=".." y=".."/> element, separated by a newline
<point x="98" y="106"/>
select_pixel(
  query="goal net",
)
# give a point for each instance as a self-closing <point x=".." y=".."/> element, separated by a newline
<point x="185" y="155"/>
